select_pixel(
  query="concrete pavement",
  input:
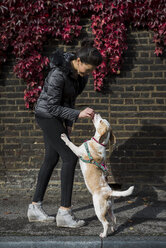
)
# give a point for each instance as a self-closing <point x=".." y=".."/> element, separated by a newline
<point x="141" y="222"/>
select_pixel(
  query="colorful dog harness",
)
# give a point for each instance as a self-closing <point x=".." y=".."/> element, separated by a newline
<point x="91" y="160"/>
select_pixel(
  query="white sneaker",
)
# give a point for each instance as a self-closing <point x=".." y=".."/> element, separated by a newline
<point x="37" y="214"/>
<point x="65" y="218"/>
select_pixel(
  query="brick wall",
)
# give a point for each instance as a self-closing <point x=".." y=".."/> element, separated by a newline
<point x="134" y="102"/>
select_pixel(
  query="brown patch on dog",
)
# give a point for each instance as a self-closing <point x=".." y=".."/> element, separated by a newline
<point x="94" y="153"/>
<point x="85" y="157"/>
<point x="93" y="178"/>
<point x="103" y="131"/>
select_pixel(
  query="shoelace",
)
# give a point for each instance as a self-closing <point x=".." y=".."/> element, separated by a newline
<point x="74" y="217"/>
<point x="42" y="210"/>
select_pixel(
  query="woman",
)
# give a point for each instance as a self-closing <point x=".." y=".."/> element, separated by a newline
<point x="55" y="115"/>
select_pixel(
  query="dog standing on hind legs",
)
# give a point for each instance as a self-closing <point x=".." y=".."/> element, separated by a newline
<point x="92" y="158"/>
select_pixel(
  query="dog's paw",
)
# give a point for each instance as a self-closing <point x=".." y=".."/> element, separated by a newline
<point x="103" y="235"/>
<point x="114" y="219"/>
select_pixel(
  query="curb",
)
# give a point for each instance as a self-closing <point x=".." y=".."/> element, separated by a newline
<point x="82" y="242"/>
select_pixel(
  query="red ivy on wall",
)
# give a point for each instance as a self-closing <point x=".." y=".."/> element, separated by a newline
<point x="27" y="24"/>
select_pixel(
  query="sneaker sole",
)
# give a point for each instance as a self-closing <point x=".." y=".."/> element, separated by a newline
<point x="41" y="220"/>
<point x="70" y="226"/>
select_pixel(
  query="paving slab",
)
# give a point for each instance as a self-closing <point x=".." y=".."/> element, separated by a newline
<point x="141" y="219"/>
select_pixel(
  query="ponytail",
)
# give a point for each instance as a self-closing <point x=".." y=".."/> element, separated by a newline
<point x="89" y="54"/>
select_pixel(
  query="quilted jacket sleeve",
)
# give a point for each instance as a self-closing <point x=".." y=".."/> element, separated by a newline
<point x="54" y="95"/>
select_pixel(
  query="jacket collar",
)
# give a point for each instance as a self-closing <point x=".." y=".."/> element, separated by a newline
<point x="63" y="61"/>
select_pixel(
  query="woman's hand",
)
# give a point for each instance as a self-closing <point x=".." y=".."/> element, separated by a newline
<point x="87" y="113"/>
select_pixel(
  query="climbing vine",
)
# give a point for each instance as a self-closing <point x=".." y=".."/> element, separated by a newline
<point x="27" y="24"/>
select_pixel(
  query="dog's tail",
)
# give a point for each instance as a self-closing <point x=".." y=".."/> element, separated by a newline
<point x="122" y="193"/>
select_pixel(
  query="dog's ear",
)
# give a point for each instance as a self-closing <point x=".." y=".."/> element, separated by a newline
<point x="112" y="138"/>
<point x="103" y="137"/>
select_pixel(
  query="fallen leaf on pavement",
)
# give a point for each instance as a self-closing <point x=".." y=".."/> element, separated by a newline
<point x="130" y="202"/>
<point x="129" y="220"/>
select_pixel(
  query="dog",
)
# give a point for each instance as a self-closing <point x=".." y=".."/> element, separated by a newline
<point x="92" y="158"/>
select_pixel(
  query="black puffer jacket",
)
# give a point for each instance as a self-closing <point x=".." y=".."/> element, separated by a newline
<point x="60" y="90"/>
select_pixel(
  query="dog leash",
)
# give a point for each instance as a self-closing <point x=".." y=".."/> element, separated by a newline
<point x="91" y="160"/>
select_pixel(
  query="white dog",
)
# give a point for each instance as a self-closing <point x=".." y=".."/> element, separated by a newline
<point x="92" y="157"/>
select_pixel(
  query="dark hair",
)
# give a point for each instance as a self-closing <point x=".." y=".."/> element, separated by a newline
<point x="89" y="54"/>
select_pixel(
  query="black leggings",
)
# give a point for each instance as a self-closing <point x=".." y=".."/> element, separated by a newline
<point x="55" y="147"/>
